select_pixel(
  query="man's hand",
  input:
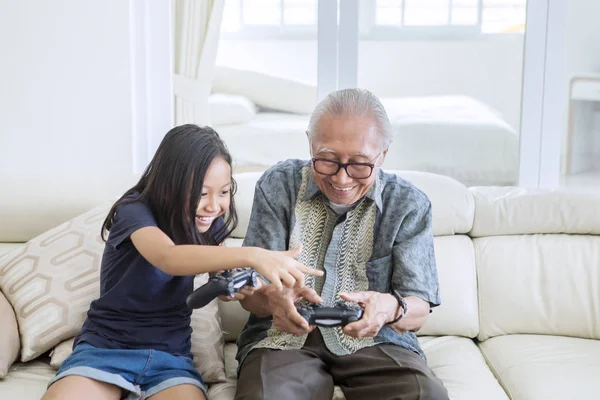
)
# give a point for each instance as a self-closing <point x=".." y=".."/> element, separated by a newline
<point x="283" y="309"/>
<point x="243" y="293"/>
<point x="379" y="308"/>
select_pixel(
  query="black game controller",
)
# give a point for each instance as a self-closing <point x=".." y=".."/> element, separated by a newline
<point x="227" y="283"/>
<point x="339" y="315"/>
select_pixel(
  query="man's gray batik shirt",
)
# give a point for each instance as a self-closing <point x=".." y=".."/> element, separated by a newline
<point x="385" y="241"/>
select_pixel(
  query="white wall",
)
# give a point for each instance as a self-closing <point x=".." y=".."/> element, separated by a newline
<point x="66" y="113"/>
<point x="488" y="70"/>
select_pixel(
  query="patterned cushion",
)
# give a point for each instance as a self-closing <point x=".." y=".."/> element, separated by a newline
<point x="51" y="281"/>
<point x="207" y="339"/>
<point x="9" y="336"/>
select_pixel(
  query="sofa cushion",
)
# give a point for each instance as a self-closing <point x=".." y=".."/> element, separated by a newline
<point x="6" y="247"/>
<point x="456" y="361"/>
<point x="452" y="203"/>
<point x="244" y="197"/>
<point x="518" y="211"/>
<point x="26" y="381"/>
<point x="539" y="284"/>
<point x="61" y="352"/>
<point x="457" y="315"/>
<point x="9" y="336"/>
<point x="29" y="207"/>
<point x="461" y="367"/>
<point x="539" y="367"/>
<point x="207" y="339"/>
<point x="51" y="281"/>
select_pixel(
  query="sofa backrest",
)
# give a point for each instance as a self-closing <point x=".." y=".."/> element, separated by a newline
<point x="29" y="207"/>
<point x="538" y="262"/>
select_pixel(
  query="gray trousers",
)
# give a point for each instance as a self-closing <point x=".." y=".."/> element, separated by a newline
<point x="381" y="372"/>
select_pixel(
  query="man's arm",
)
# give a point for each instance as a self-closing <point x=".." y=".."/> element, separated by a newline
<point x="414" y="276"/>
<point x="414" y="273"/>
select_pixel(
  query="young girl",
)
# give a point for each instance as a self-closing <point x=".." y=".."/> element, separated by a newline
<point x="135" y="342"/>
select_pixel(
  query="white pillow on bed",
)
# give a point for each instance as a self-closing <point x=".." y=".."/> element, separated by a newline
<point x="265" y="90"/>
<point x="228" y="109"/>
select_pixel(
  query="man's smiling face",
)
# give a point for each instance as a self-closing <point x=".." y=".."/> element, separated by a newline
<point x="346" y="139"/>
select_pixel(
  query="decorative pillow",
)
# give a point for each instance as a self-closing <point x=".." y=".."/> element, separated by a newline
<point x="9" y="336"/>
<point x="207" y="342"/>
<point x="51" y="281"/>
<point x="207" y="339"/>
<point x="229" y="109"/>
<point x="265" y="90"/>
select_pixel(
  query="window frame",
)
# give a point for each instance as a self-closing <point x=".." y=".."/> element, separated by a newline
<point x="369" y="30"/>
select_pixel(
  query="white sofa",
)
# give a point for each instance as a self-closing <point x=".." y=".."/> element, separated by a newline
<point x="520" y="284"/>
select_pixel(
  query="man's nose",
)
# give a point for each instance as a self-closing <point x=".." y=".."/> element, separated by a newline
<point x="342" y="176"/>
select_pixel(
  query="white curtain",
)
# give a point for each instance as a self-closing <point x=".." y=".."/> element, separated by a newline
<point x="197" y="24"/>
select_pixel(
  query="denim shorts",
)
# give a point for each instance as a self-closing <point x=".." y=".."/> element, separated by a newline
<point x="140" y="373"/>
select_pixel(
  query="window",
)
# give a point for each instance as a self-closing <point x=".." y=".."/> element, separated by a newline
<point x="380" y="19"/>
<point x="496" y="16"/>
<point x="269" y="15"/>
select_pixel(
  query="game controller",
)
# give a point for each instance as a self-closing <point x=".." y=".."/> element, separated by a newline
<point x="339" y="315"/>
<point x="227" y="283"/>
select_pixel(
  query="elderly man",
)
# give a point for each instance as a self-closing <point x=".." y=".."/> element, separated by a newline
<point x="370" y="232"/>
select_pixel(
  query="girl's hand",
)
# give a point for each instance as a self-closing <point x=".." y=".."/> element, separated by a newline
<point x="281" y="268"/>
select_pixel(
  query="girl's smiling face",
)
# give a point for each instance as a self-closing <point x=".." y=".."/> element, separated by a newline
<point x="216" y="194"/>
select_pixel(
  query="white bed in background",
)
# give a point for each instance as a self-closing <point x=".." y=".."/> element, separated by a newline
<point x="456" y="136"/>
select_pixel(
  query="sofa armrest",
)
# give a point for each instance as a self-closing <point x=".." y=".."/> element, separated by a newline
<point x="9" y="336"/>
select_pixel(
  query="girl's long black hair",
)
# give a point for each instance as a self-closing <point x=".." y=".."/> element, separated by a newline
<point x="172" y="184"/>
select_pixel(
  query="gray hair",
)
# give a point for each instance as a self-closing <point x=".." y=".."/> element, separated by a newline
<point x="352" y="102"/>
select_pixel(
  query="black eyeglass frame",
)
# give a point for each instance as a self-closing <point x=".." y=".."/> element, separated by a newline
<point x="345" y="166"/>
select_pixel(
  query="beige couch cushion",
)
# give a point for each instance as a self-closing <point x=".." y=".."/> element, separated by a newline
<point x="513" y="210"/>
<point x="539" y="367"/>
<point x="207" y="339"/>
<point x="456" y="361"/>
<point x="61" y="352"/>
<point x="51" y="281"/>
<point x="26" y="381"/>
<point x="29" y="207"/>
<point x="461" y="367"/>
<point x="457" y="315"/>
<point x="539" y="284"/>
<point x="9" y="336"/>
<point x="452" y="203"/>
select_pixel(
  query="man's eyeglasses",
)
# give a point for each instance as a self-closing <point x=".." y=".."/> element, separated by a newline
<point x="354" y="170"/>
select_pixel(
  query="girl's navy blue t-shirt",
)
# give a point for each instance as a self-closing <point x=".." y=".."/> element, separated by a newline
<point x="140" y="306"/>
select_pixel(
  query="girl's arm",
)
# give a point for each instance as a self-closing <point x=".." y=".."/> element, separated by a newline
<point x="279" y="267"/>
